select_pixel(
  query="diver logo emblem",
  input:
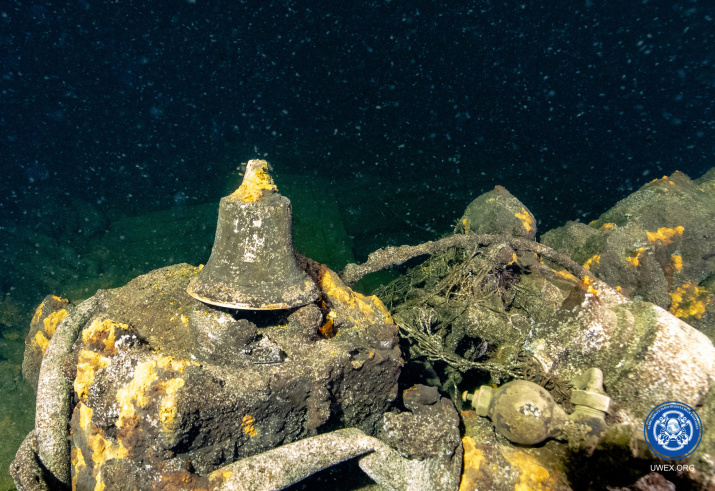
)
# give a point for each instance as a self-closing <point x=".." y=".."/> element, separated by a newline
<point x="673" y="430"/>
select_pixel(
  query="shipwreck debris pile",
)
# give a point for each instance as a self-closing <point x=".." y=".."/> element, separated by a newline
<point x="265" y="367"/>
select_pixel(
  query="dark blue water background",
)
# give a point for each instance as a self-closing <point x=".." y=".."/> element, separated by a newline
<point x="570" y="105"/>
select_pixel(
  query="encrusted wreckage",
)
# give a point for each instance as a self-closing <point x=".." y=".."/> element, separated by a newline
<point x="521" y="310"/>
<point x="265" y="367"/>
<point x="252" y="372"/>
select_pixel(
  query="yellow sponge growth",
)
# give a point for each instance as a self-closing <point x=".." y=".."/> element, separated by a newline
<point x="532" y="475"/>
<point x="587" y="284"/>
<point x="255" y="182"/>
<point x="41" y="341"/>
<point x="526" y="219"/>
<point x="635" y="260"/>
<point x="167" y="408"/>
<point x="676" y="261"/>
<point x="596" y="258"/>
<point x="473" y="462"/>
<point x="52" y="320"/>
<point x="665" y="235"/>
<point x="248" y="425"/>
<point x="359" y="308"/>
<point x="103" y="332"/>
<point x="690" y="300"/>
<point x="88" y="364"/>
<point x="565" y="275"/>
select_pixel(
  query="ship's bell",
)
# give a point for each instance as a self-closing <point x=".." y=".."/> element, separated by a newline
<point x="252" y="263"/>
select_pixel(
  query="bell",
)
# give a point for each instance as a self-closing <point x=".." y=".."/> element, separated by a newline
<point x="252" y="263"/>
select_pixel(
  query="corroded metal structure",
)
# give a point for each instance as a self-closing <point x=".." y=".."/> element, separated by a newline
<point x="252" y="263"/>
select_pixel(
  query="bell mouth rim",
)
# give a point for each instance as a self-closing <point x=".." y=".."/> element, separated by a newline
<point x="245" y="306"/>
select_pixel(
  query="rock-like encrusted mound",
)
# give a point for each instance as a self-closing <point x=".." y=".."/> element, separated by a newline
<point x="166" y="388"/>
<point x="656" y="245"/>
